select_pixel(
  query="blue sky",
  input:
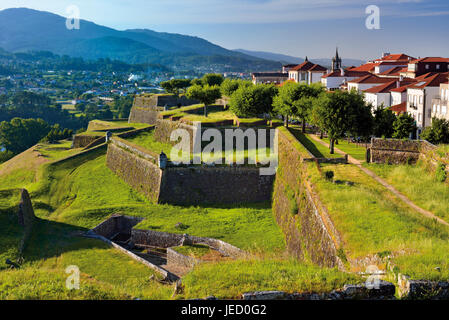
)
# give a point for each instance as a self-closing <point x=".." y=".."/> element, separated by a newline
<point x="295" y="27"/>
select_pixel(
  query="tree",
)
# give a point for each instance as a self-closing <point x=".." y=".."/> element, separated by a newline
<point x="228" y="87"/>
<point x="212" y="79"/>
<point x="438" y="132"/>
<point x="383" y="122"/>
<point x="174" y="86"/>
<point x="338" y="113"/>
<point x="20" y="134"/>
<point x="404" y="126"/>
<point x="205" y="94"/>
<point x="295" y="99"/>
<point x="252" y="101"/>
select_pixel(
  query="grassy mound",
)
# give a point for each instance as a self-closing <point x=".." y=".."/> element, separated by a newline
<point x="233" y="278"/>
<point x="11" y="233"/>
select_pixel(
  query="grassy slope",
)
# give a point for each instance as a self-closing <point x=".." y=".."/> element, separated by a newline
<point x="371" y="220"/>
<point x="255" y="275"/>
<point x="317" y="149"/>
<point x="10" y="231"/>
<point x="352" y="149"/>
<point x="418" y="184"/>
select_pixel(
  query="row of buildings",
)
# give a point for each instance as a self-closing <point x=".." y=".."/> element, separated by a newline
<point x="419" y="87"/>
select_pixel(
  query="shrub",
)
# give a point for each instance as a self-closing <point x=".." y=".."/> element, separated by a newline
<point x="329" y="175"/>
<point x="440" y="173"/>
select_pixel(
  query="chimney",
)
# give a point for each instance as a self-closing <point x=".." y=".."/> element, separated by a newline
<point x="401" y="78"/>
<point x="398" y="84"/>
<point x="384" y="54"/>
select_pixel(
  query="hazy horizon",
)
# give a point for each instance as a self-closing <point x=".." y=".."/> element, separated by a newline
<point x="296" y="28"/>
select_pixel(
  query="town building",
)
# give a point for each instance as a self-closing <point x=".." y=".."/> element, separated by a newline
<point x="422" y="66"/>
<point x="307" y="72"/>
<point x="420" y="96"/>
<point x="440" y="104"/>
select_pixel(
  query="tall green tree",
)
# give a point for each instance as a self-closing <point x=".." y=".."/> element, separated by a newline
<point x="438" y="132"/>
<point x="205" y="94"/>
<point x="212" y="79"/>
<point x="296" y="99"/>
<point x="383" y="122"/>
<point x="20" y="134"/>
<point x="404" y="126"/>
<point x="253" y="100"/>
<point x="175" y="86"/>
<point x="339" y="113"/>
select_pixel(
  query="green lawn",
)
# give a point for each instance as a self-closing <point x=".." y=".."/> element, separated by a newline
<point x="314" y="147"/>
<point x="418" y="184"/>
<point x="371" y="220"/>
<point x="352" y="149"/>
<point x="232" y="278"/>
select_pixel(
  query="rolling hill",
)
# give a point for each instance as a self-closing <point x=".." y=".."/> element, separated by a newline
<point x="23" y="29"/>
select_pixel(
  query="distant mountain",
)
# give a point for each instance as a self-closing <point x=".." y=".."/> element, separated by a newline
<point x="286" y="59"/>
<point x="23" y="29"/>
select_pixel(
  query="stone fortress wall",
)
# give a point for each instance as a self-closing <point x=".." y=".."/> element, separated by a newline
<point x="146" y="108"/>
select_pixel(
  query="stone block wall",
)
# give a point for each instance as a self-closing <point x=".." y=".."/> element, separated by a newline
<point x="395" y="151"/>
<point x="309" y="232"/>
<point x="210" y="185"/>
<point x="167" y="240"/>
<point x="135" y="167"/>
<point x="82" y="141"/>
<point x="146" y="108"/>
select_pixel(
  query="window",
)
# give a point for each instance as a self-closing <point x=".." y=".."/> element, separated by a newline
<point x="420" y="99"/>
<point x="419" y="116"/>
<point x="434" y="108"/>
<point x="438" y="67"/>
<point x="443" y="109"/>
<point x="427" y="67"/>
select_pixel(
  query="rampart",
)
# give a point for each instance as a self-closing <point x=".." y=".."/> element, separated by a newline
<point x="146" y="108"/>
<point x="395" y="151"/>
<point x="308" y="229"/>
<point x="186" y="185"/>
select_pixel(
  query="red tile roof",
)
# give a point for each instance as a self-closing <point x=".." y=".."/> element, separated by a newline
<point x="370" y="79"/>
<point x="400" y="56"/>
<point x="383" y="88"/>
<point x="431" y="59"/>
<point x="308" y="66"/>
<point x="365" y="67"/>
<point x="347" y="73"/>
<point x="391" y="86"/>
<point x="433" y="80"/>
<point x="399" y="108"/>
<point x="392" y="72"/>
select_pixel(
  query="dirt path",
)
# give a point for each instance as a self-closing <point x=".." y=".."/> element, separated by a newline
<point x="384" y="183"/>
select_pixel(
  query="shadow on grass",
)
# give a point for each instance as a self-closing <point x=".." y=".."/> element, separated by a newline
<point x="306" y="142"/>
<point x="51" y="239"/>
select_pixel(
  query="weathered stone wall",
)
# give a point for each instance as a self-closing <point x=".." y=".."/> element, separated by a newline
<point x="210" y="185"/>
<point x="395" y="151"/>
<point x="82" y="141"/>
<point x="176" y="258"/>
<point x="26" y="217"/>
<point x="146" y="108"/>
<point x="308" y="230"/>
<point x="164" y="129"/>
<point x="116" y="224"/>
<point x="135" y="167"/>
<point x="167" y="240"/>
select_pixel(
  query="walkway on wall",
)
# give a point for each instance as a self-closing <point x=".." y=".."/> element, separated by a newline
<point x="384" y="183"/>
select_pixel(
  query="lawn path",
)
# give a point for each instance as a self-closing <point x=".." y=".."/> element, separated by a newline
<point x="384" y="183"/>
